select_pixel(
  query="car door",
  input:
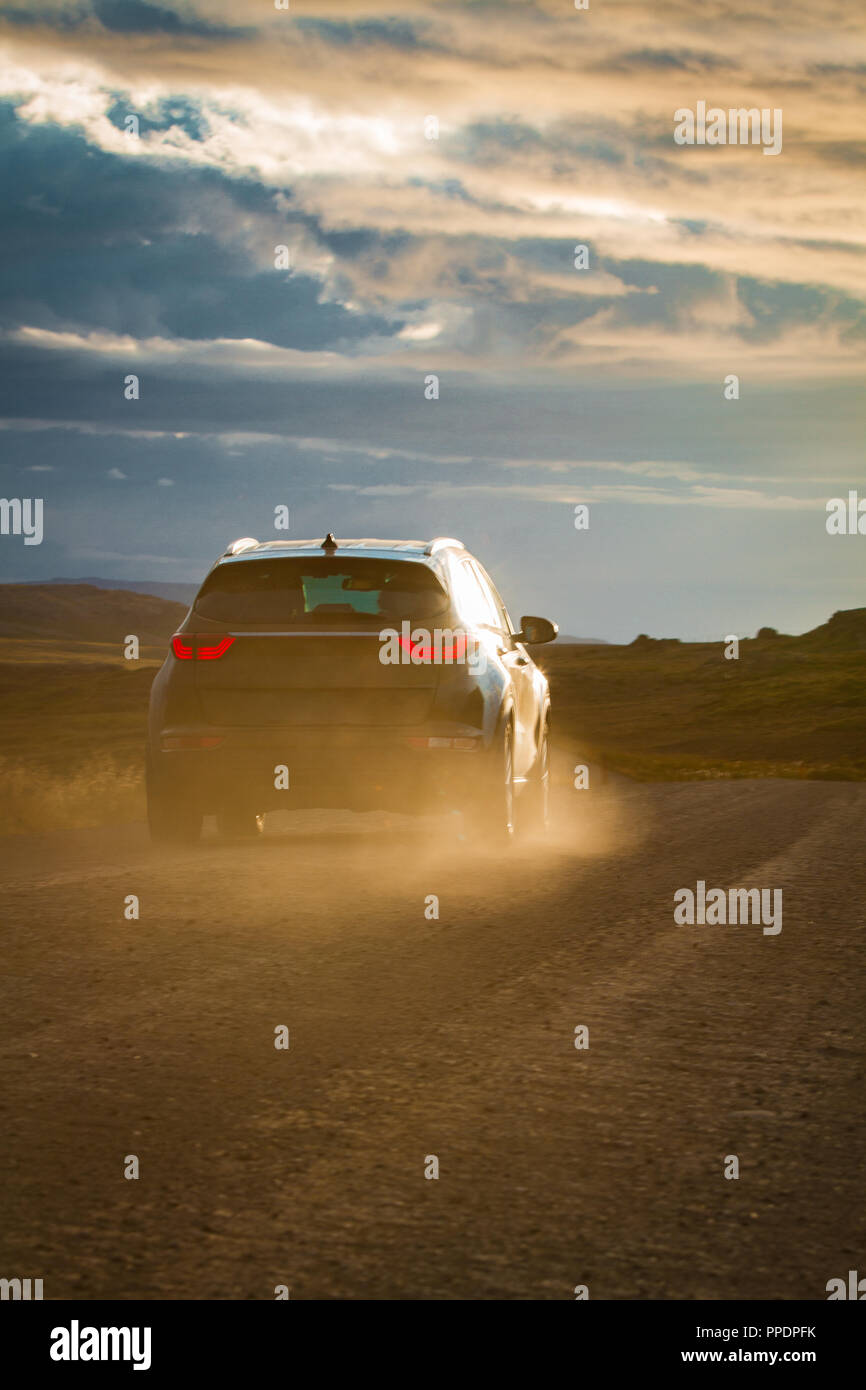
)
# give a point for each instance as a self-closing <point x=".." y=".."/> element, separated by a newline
<point x="519" y="664"/>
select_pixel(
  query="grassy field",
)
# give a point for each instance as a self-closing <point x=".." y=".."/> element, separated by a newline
<point x="73" y="727"/>
<point x="72" y="733"/>
<point x="672" y="711"/>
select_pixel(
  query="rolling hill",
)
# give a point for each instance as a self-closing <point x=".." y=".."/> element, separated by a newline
<point x="665" y="709"/>
<point x="82" y="613"/>
<point x="178" y="593"/>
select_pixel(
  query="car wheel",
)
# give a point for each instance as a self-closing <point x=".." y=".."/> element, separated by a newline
<point x="535" y="810"/>
<point x="238" y="823"/>
<point x="494" y="813"/>
<point x="170" y="817"/>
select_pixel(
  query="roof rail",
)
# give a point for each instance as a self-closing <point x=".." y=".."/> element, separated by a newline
<point x="440" y="543"/>
<point x="245" y="543"/>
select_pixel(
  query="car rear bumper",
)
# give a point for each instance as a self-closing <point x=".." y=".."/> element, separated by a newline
<point x="416" y="769"/>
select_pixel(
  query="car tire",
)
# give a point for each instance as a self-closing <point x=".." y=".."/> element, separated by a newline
<point x="535" y="802"/>
<point x="492" y="817"/>
<point x="239" y="823"/>
<point x="171" y="819"/>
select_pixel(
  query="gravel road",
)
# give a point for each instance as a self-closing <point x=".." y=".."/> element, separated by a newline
<point x="453" y="1036"/>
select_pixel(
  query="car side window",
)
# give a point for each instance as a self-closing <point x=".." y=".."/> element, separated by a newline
<point x="475" y="602"/>
<point x="504" y="620"/>
<point x="492" y="602"/>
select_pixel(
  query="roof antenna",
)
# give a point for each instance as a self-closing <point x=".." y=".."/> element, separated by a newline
<point x="329" y="543"/>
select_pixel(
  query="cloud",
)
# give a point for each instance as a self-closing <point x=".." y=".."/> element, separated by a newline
<point x="128" y="17"/>
<point x="629" y="495"/>
<point x="409" y="255"/>
<point x="138" y="17"/>
<point x="400" y="243"/>
<point x="354" y="152"/>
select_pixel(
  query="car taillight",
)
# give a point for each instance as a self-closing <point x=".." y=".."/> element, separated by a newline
<point x="201" y="646"/>
<point x="435" y="651"/>
<point x="180" y="649"/>
<point x="217" y="647"/>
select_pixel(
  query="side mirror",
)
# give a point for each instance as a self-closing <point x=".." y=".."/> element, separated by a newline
<point x="536" y="630"/>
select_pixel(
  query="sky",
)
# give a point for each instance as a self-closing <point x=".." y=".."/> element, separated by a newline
<point x="430" y="168"/>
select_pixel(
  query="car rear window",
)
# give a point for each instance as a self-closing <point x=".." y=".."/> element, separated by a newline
<point x="327" y="590"/>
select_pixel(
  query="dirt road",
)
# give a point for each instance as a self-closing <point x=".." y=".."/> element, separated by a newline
<point x="453" y="1037"/>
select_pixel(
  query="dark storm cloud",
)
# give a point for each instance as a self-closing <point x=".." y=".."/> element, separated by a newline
<point x="147" y="250"/>
<point x="63" y="20"/>
<point x="773" y="308"/>
<point x="151" y="249"/>
<point x="178" y="112"/>
<point x="131" y="17"/>
<point x="137" y="17"/>
<point x="361" y="241"/>
<point x="388" y="32"/>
